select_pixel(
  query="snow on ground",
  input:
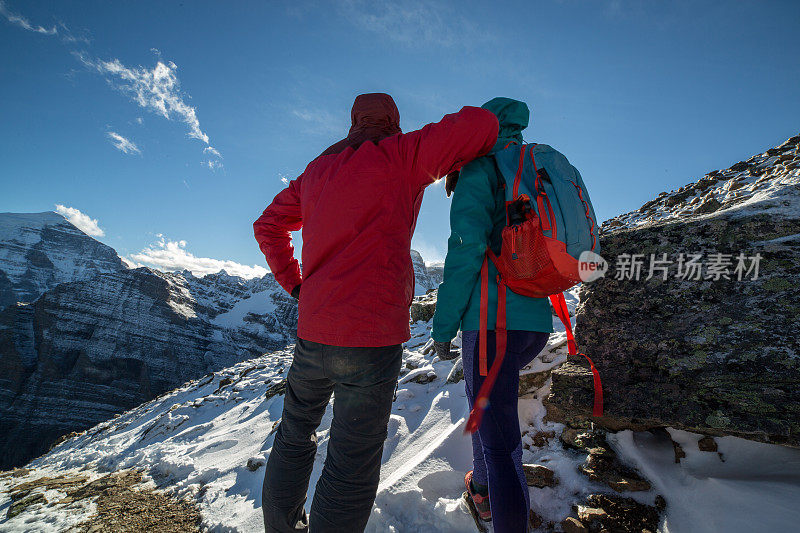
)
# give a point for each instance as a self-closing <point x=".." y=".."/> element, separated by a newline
<point x="260" y="303"/>
<point x="197" y="441"/>
<point x="747" y="487"/>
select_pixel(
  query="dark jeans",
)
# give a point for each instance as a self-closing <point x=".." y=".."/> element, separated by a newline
<point x="363" y="381"/>
<point x="497" y="447"/>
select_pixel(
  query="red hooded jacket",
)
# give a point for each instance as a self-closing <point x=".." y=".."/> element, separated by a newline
<point x="357" y="205"/>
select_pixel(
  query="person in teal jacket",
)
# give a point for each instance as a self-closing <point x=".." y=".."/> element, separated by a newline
<point x="477" y="217"/>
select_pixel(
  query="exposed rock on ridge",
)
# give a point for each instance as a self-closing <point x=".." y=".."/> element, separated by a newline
<point x="718" y="357"/>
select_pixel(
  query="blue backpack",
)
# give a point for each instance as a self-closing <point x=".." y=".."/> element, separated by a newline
<point x="550" y="223"/>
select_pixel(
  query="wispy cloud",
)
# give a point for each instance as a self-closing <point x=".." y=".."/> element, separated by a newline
<point x="414" y="23"/>
<point x="122" y="144"/>
<point x="156" y="90"/>
<point x="211" y="150"/>
<point x="58" y="30"/>
<point x="213" y="162"/>
<point x="80" y="220"/>
<point x="170" y="255"/>
<point x="22" y="22"/>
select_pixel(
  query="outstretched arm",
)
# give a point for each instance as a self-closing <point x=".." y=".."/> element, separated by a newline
<point x="445" y="146"/>
<point x="273" y="233"/>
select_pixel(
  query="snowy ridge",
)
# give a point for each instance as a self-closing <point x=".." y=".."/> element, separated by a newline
<point x="208" y="441"/>
<point x="765" y="183"/>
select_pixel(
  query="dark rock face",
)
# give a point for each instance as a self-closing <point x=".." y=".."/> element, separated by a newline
<point x="424" y="307"/>
<point x="83" y="338"/>
<point x="718" y="357"/>
<point x="87" y="350"/>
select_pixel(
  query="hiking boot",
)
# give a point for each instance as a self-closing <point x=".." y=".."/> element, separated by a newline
<point x="481" y="501"/>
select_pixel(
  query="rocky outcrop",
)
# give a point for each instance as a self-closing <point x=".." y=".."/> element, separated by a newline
<point x="716" y="355"/>
<point x="87" y="350"/>
<point x="122" y="502"/>
<point x="423" y="307"/>
<point x="83" y="338"/>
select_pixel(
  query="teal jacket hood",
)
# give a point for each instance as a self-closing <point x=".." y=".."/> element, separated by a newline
<point x="513" y="116"/>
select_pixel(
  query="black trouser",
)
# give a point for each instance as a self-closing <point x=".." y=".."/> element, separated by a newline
<point x="363" y="381"/>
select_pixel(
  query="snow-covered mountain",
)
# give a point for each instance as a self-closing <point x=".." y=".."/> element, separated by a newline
<point x="426" y="277"/>
<point x="766" y="183"/>
<point x="687" y="368"/>
<point x="82" y="337"/>
<point x="207" y="443"/>
<point x="41" y="250"/>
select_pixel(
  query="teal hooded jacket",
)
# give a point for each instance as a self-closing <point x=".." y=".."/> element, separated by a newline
<point x="477" y="218"/>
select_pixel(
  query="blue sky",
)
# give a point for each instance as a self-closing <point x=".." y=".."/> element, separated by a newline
<point x="171" y="124"/>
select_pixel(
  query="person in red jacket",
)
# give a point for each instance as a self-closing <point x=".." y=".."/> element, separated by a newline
<point x="357" y="205"/>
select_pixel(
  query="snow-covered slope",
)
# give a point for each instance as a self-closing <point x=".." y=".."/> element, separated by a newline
<point x="208" y="441"/>
<point x="82" y="337"/>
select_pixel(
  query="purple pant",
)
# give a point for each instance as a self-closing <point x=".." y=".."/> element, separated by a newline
<point x="497" y="447"/>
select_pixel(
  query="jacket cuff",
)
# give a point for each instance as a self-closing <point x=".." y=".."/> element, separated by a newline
<point x="439" y="336"/>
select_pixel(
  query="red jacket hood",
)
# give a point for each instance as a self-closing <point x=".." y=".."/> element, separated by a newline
<point x="374" y="117"/>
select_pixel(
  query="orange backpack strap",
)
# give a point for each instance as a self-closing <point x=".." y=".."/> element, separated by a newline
<point x="484" y="315"/>
<point x="501" y="339"/>
<point x="560" y="307"/>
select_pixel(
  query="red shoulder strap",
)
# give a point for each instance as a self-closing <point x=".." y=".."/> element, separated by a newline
<point x="560" y="307"/>
<point x="484" y="314"/>
<point x="501" y="339"/>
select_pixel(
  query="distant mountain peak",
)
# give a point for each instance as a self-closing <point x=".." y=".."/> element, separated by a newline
<point x="39" y="251"/>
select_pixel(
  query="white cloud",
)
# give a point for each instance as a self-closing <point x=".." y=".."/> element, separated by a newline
<point x="129" y="263"/>
<point x="170" y="255"/>
<point x="59" y="30"/>
<point x="156" y="89"/>
<point x="122" y="144"/>
<point x="80" y="220"/>
<point x="139" y="120"/>
<point x="22" y="22"/>
<point x="213" y="164"/>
